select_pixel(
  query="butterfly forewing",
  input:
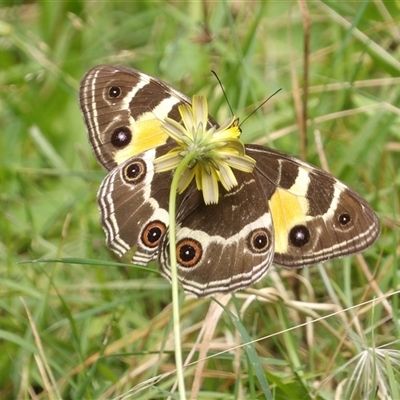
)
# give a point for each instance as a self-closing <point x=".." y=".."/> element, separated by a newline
<point x="315" y="216"/>
<point x="123" y="109"/>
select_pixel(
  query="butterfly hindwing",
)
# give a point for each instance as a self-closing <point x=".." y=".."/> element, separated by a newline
<point x="225" y="246"/>
<point x="133" y="204"/>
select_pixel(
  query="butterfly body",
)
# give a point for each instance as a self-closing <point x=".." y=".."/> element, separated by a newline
<point x="286" y="211"/>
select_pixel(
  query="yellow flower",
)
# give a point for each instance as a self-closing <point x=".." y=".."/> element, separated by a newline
<point x="215" y="151"/>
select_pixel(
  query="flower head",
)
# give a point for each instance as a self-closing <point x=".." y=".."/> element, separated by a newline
<point x="214" y="151"/>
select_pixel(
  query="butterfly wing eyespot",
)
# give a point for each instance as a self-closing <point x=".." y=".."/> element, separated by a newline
<point x="121" y="137"/>
<point x="188" y="253"/>
<point x="114" y="92"/>
<point x="135" y="171"/>
<point x="299" y="236"/>
<point x="344" y="219"/>
<point x="259" y="241"/>
<point x="153" y="233"/>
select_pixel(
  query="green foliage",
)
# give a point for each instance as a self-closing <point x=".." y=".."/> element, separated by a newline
<point x="91" y="329"/>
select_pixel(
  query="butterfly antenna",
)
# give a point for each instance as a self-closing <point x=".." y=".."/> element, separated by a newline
<point x="255" y="110"/>
<point x="223" y="91"/>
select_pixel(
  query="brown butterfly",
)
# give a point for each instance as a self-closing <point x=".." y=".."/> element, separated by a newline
<point x="285" y="212"/>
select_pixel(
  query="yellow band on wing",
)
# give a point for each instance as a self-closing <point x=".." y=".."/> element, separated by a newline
<point x="146" y="135"/>
<point x="288" y="210"/>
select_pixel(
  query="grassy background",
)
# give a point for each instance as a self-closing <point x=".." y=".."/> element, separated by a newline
<point x="97" y="330"/>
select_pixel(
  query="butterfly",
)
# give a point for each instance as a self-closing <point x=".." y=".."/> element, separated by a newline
<point x="286" y="212"/>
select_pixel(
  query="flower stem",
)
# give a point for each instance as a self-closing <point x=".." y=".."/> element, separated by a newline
<point x="174" y="271"/>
